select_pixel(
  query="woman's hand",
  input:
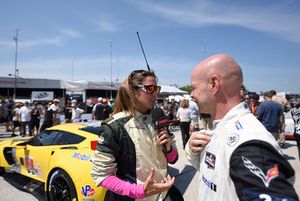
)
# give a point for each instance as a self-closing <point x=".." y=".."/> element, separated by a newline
<point x="151" y="187"/>
<point x="163" y="137"/>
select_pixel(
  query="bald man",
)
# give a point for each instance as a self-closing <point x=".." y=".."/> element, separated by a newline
<point x="239" y="159"/>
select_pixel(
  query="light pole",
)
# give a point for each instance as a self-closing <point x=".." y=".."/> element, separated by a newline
<point x="16" y="58"/>
<point x="110" y="70"/>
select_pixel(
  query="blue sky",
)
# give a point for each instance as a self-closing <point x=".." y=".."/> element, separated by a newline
<point x="82" y="40"/>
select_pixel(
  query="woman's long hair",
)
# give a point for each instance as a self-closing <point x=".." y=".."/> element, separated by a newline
<point x="125" y="100"/>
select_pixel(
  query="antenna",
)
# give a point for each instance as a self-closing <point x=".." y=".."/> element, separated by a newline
<point x="137" y="33"/>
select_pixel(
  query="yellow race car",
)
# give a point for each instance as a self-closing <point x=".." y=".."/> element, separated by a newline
<point x="59" y="157"/>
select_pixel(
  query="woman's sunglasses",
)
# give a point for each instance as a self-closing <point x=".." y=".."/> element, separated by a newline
<point x="150" y="89"/>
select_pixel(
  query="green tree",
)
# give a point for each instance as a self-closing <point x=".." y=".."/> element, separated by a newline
<point x="186" y="88"/>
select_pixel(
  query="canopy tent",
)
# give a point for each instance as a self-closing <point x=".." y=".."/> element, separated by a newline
<point x="84" y="84"/>
<point x="171" y="90"/>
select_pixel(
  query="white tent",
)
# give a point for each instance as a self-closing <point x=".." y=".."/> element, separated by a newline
<point x="171" y="90"/>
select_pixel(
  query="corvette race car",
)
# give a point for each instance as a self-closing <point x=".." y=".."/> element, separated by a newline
<point x="59" y="157"/>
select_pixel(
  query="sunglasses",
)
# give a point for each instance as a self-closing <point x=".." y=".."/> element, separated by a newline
<point x="130" y="77"/>
<point x="150" y="89"/>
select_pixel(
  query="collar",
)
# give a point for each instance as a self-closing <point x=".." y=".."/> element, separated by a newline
<point x="233" y="114"/>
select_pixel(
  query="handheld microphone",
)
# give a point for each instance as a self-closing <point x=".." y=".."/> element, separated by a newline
<point x="161" y="121"/>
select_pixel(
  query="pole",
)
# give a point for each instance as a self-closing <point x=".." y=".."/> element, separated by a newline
<point x="110" y="70"/>
<point x="16" y="58"/>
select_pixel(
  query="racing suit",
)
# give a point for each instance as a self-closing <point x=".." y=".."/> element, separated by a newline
<point x="127" y="149"/>
<point x="242" y="161"/>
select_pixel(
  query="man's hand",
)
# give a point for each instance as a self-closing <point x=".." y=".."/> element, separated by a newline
<point x="199" y="140"/>
<point x="151" y="187"/>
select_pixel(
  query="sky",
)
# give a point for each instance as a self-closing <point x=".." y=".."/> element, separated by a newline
<point x="96" y="40"/>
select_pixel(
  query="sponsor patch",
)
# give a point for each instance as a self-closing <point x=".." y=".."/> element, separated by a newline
<point x="210" y="160"/>
<point x="233" y="139"/>
<point x="209" y="184"/>
<point x="32" y="168"/>
<point x="87" y="190"/>
<point x="266" y="178"/>
<point x="238" y="125"/>
<point x="80" y="156"/>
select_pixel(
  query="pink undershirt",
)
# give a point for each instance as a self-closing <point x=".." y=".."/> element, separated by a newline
<point x="136" y="191"/>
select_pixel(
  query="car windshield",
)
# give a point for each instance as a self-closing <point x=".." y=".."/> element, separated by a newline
<point x="91" y="129"/>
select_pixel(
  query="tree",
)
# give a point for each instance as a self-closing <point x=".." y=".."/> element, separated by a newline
<point x="186" y="88"/>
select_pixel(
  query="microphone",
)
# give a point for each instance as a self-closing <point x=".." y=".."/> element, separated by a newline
<point x="161" y="121"/>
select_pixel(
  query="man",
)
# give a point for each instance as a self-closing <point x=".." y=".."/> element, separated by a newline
<point x="76" y="112"/>
<point x="25" y="117"/>
<point x="194" y="115"/>
<point x="56" y="111"/>
<point x="285" y="107"/>
<point x="103" y="110"/>
<point x="99" y="102"/>
<point x="270" y="114"/>
<point x="239" y="159"/>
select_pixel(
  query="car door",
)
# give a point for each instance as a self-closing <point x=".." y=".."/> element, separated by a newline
<point x="35" y="156"/>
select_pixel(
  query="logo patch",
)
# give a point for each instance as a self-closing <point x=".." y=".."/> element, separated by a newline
<point x="87" y="190"/>
<point x="238" y="125"/>
<point x="266" y="179"/>
<point x="209" y="184"/>
<point x="80" y="156"/>
<point x="210" y="160"/>
<point x="233" y="139"/>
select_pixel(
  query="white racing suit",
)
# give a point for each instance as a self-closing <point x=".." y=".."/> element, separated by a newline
<point x="242" y="162"/>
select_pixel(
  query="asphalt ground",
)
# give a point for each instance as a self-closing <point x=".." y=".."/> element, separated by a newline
<point x="14" y="187"/>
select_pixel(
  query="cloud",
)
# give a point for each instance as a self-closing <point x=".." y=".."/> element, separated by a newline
<point x="278" y="19"/>
<point x="69" y="33"/>
<point x="106" y="23"/>
<point x="59" y="40"/>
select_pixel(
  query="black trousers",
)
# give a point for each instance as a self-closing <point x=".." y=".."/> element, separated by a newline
<point x="297" y="138"/>
<point x="185" y="132"/>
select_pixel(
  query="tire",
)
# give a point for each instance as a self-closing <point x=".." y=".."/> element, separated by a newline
<point x="60" y="187"/>
<point x="2" y="171"/>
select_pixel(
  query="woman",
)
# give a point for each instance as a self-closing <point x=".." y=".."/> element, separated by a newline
<point x="129" y="160"/>
<point x="184" y="115"/>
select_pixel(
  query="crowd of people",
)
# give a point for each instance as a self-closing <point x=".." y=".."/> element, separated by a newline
<point x="36" y="117"/>
<point x="231" y="137"/>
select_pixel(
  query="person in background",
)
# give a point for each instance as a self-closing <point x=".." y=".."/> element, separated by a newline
<point x="56" y="111"/>
<point x="68" y="112"/>
<point x="25" y="117"/>
<point x="285" y="107"/>
<point x="103" y="110"/>
<point x="194" y="115"/>
<point x="34" y="123"/>
<point x="270" y="114"/>
<point x="239" y="159"/>
<point x="48" y="118"/>
<point x="10" y="110"/>
<point x="94" y="117"/>
<point x="4" y="115"/>
<point x="295" y="112"/>
<point x="184" y="116"/>
<point x="16" y="120"/>
<point x="131" y="156"/>
<point x="279" y="99"/>
<point x="76" y="112"/>
<point x="254" y="102"/>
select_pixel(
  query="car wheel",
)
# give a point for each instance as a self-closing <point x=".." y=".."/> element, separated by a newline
<point x="2" y="171"/>
<point x="61" y="187"/>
